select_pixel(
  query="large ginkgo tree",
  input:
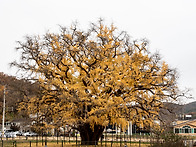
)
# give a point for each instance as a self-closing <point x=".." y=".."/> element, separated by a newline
<point x="89" y="79"/>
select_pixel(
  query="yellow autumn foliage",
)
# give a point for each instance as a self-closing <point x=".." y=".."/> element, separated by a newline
<point x="97" y="77"/>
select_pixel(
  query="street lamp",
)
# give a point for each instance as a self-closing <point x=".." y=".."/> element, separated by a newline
<point x="3" y="118"/>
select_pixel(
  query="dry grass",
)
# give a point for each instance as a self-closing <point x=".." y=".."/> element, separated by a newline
<point x="67" y="144"/>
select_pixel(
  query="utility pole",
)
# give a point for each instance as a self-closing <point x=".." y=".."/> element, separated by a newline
<point x="3" y="119"/>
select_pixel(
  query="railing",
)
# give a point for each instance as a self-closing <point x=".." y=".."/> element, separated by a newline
<point x="111" y="140"/>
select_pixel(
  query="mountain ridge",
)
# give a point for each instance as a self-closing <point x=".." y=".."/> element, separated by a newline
<point x="190" y="107"/>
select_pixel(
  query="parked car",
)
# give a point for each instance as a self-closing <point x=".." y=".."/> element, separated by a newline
<point x="30" y="134"/>
<point x="18" y="133"/>
<point x="110" y="131"/>
<point x="10" y="134"/>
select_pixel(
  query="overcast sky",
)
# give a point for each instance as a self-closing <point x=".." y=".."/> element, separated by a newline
<point x="169" y="25"/>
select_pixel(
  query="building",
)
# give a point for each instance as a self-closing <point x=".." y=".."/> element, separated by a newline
<point x="185" y="127"/>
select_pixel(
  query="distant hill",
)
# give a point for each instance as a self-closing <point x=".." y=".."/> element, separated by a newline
<point x="15" y="91"/>
<point x="182" y="109"/>
<point x="190" y="107"/>
<point x="174" y="110"/>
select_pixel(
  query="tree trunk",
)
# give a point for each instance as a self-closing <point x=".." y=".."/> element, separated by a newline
<point x="90" y="136"/>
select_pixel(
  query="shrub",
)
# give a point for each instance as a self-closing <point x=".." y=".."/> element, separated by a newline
<point x="168" y="139"/>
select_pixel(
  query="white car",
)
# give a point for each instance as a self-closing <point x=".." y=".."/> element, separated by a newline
<point x="10" y="134"/>
<point x="18" y="133"/>
<point x="29" y="134"/>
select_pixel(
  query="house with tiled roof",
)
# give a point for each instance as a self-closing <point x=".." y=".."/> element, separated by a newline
<point x="185" y="127"/>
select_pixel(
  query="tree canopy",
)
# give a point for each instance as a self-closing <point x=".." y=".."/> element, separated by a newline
<point x="89" y="79"/>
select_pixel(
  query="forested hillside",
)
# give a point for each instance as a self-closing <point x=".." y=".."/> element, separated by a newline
<point x="190" y="107"/>
<point x="15" y="91"/>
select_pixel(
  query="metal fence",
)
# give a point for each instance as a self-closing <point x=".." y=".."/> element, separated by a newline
<point x="109" y="140"/>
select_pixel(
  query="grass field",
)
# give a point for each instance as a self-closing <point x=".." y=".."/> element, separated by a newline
<point x="69" y="142"/>
<point x="72" y="145"/>
<point x="33" y="143"/>
<point x="109" y="141"/>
